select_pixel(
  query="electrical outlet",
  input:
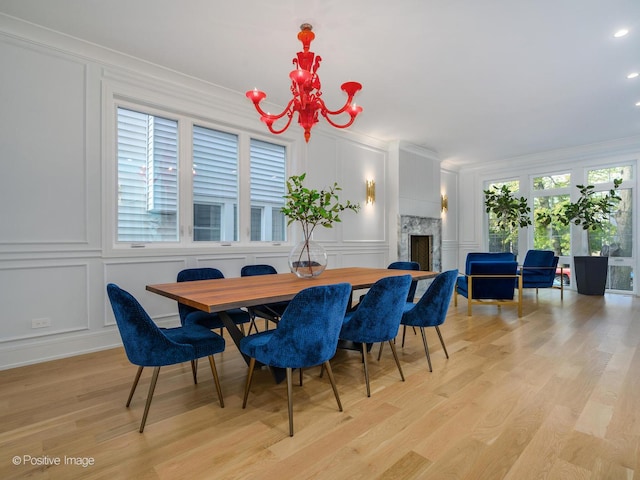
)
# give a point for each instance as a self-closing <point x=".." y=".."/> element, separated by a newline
<point x="40" y="322"/>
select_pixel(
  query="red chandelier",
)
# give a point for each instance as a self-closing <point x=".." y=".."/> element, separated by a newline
<point x="307" y="97"/>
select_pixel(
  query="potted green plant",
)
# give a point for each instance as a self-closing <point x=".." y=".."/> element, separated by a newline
<point x="311" y="208"/>
<point x="508" y="212"/>
<point x="590" y="211"/>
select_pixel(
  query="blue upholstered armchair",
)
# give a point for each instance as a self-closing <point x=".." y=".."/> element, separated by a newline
<point x="147" y="345"/>
<point x="307" y="335"/>
<point x="490" y="279"/>
<point x="539" y="270"/>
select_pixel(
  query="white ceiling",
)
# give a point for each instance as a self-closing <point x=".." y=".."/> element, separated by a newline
<point x="475" y="80"/>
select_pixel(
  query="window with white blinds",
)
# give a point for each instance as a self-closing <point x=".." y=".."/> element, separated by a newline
<point x="147" y="178"/>
<point x="215" y="184"/>
<point x="155" y="157"/>
<point x="267" y="190"/>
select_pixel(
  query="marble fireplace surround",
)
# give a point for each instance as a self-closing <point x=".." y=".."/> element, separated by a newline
<point x="409" y="225"/>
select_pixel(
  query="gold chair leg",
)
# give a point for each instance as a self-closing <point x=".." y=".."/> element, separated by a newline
<point x="380" y="351"/>
<point x="395" y="356"/>
<point x="216" y="380"/>
<point x="426" y="348"/>
<point x="327" y="365"/>
<point x="366" y="369"/>
<point x="442" y="342"/>
<point x="290" y="399"/>
<point x="194" y="369"/>
<point x="135" y="384"/>
<point x="252" y="364"/>
<point x="404" y="333"/>
<point x="152" y="387"/>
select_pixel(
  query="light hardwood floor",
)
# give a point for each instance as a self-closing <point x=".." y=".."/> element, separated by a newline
<point x="552" y="395"/>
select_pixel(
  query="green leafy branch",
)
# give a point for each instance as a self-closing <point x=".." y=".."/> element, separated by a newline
<point x="510" y="212"/>
<point x="313" y="207"/>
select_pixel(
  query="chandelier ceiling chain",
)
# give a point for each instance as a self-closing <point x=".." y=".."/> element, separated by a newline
<point x="307" y="95"/>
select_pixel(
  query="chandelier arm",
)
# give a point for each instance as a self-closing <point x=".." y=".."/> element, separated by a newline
<point x="348" y="124"/>
<point x="274" y="131"/>
<point x="271" y="116"/>
<point x="342" y="110"/>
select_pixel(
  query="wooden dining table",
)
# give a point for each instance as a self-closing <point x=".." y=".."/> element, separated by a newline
<point x="224" y="294"/>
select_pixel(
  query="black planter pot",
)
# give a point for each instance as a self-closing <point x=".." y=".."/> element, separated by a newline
<point x="591" y="274"/>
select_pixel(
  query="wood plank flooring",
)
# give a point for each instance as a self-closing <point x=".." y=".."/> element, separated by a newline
<point x="552" y="395"/>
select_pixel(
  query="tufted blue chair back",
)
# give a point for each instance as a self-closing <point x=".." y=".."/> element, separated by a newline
<point x="431" y="309"/>
<point x="307" y="334"/>
<point x="407" y="266"/>
<point x="191" y="274"/>
<point x="143" y="340"/>
<point x="377" y="317"/>
<point x="260" y="269"/>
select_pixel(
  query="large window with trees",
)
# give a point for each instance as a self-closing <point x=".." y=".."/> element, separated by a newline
<point x="615" y="239"/>
<point x="501" y="240"/>
<point x="550" y="194"/>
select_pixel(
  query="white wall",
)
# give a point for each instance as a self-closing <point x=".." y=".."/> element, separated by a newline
<point x="55" y="252"/>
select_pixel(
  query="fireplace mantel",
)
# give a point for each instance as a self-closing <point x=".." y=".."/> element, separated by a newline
<point x="409" y="225"/>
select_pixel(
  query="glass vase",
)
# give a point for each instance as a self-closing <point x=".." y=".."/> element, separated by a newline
<point x="308" y="259"/>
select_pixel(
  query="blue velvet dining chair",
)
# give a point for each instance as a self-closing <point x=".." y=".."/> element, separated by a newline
<point x="307" y="336"/>
<point x="401" y="265"/>
<point x="377" y="318"/>
<point x="270" y="311"/>
<point x="147" y="345"/>
<point x="431" y="309"/>
<point x="190" y="315"/>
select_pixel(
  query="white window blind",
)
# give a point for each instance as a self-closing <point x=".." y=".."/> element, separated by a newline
<point x="267" y="190"/>
<point x="147" y="177"/>
<point x="215" y="182"/>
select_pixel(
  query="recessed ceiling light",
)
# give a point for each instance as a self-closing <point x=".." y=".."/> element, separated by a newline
<point x="621" y="33"/>
<point x="637" y="104"/>
<point x="633" y="75"/>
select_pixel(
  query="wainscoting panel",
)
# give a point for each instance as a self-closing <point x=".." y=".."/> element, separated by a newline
<point x="134" y="275"/>
<point x="42" y="300"/>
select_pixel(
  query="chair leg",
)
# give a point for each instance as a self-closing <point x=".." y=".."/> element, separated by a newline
<point x="366" y="369"/>
<point x="327" y="365"/>
<point x="194" y="369"/>
<point x="252" y="364"/>
<point x="404" y="333"/>
<point x="380" y="351"/>
<point x="395" y="356"/>
<point x="253" y="325"/>
<point x="135" y="384"/>
<point x="290" y="399"/>
<point x="426" y="348"/>
<point x="152" y="387"/>
<point x="216" y="380"/>
<point x="300" y="376"/>
<point x="442" y="342"/>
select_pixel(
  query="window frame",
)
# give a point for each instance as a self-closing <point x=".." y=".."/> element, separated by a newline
<point x="187" y="117"/>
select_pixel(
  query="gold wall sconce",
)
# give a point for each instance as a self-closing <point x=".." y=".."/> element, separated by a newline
<point x="444" y="203"/>
<point x="371" y="192"/>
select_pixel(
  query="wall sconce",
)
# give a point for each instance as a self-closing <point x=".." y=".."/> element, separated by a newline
<point x="444" y="203"/>
<point x="371" y="192"/>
